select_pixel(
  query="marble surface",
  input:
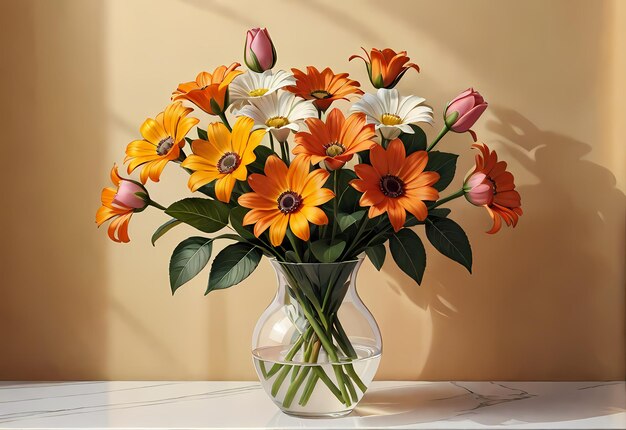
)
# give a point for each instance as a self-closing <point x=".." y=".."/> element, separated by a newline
<point x="391" y="404"/>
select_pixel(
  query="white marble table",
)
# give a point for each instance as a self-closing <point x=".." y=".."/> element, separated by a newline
<point x="392" y="404"/>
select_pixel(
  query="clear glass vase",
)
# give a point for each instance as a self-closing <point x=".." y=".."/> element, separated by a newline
<point x="316" y="347"/>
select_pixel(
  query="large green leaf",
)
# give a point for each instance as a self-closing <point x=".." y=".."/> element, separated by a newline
<point x="377" y="254"/>
<point x="258" y="165"/>
<point x="232" y="265"/>
<point x="449" y="238"/>
<point x="409" y="254"/>
<point x="206" y="215"/>
<point x="327" y="251"/>
<point x="348" y="197"/>
<point x="414" y="142"/>
<point x="443" y="163"/>
<point x="188" y="259"/>
<point x="346" y="220"/>
<point x="236" y="220"/>
<point x="439" y="212"/>
<point x="159" y="232"/>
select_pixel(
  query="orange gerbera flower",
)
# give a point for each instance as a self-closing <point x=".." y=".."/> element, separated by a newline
<point x="120" y="203"/>
<point x="323" y="88"/>
<point x="491" y="186"/>
<point x="223" y="157"/>
<point x="209" y="91"/>
<point x="162" y="139"/>
<point x="385" y="68"/>
<point x="395" y="183"/>
<point x="336" y="140"/>
<point x="286" y="196"/>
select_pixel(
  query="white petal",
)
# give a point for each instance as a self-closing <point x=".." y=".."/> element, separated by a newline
<point x="408" y="103"/>
<point x="389" y="132"/>
<point x="390" y="99"/>
<point x="280" y="134"/>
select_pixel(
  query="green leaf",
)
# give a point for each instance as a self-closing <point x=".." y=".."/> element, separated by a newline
<point x="414" y="142"/>
<point x="377" y="254"/>
<point x="348" y="197"/>
<point x="262" y="153"/>
<point x="443" y="163"/>
<point x="236" y="220"/>
<point x="188" y="259"/>
<point x="439" y="212"/>
<point x="202" y="134"/>
<point x="232" y="265"/>
<point x="346" y="220"/>
<point x="327" y="251"/>
<point x="206" y="215"/>
<point x="164" y="229"/>
<point x="409" y="254"/>
<point x="449" y="238"/>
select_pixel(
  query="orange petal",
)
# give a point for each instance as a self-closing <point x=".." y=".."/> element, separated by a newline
<point x="299" y="225"/>
<point x="278" y="229"/>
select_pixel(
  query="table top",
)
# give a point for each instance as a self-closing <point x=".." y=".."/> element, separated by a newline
<point x="236" y="405"/>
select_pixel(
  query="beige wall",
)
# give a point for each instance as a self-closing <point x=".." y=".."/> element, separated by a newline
<point x="546" y="300"/>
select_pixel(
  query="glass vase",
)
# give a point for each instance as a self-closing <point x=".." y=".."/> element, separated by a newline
<point x="316" y="348"/>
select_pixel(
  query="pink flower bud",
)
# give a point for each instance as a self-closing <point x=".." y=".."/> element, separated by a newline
<point x="479" y="190"/>
<point x="259" y="54"/>
<point x="126" y="195"/>
<point x="463" y="112"/>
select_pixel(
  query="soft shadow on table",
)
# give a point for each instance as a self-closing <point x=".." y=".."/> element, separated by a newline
<point x="397" y="406"/>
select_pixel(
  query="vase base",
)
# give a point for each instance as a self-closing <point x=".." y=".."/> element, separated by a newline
<point x="309" y="415"/>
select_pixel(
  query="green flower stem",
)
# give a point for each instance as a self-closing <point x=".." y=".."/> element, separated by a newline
<point x="351" y="389"/>
<point x="308" y="389"/>
<point x="447" y="199"/>
<point x="280" y="378"/>
<point x="326" y="380"/>
<point x="352" y="373"/>
<point x="295" y="385"/>
<point x="342" y="383"/>
<point x="384" y="142"/>
<point x="272" y="142"/>
<point x="442" y="133"/>
<point x="225" y="121"/>
<point x="156" y="205"/>
<point x="292" y="352"/>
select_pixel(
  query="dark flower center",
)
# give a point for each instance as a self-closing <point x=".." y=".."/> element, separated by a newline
<point x="228" y="163"/>
<point x="334" y="149"/>
<point x="165" y="145"/>
<point x="392" y="186"/>
<point x="289" y="202"/>
<point x="321" y="94"/>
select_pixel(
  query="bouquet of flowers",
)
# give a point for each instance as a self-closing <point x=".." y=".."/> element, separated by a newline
<point x="280" y="172"/>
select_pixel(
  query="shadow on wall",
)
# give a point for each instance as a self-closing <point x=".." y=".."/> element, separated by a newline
<point x="549" y="285"/>
<point x="52" y="312"/>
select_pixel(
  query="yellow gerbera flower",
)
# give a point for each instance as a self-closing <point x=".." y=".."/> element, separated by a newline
<point x="223" y="157"/>
<point x="162" y="139"/>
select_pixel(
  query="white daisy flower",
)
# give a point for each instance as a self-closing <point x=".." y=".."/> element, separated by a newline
<point x="249" y="86"/>
<point x="391" y="113"/>
<point x="279" y="114"/>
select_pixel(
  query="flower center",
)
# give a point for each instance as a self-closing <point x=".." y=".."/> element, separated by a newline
<point x="289" y="202"/>
<point x="277" y="122"/>
<point x="228" y="163"/>
<point x="334" y="149"/>
<point x="165" y="145"/>
<point x="390" y="119"/>
<point x="392" y="186"/>
<point x="321" y="94"/>
<point x="258" y="92"/>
